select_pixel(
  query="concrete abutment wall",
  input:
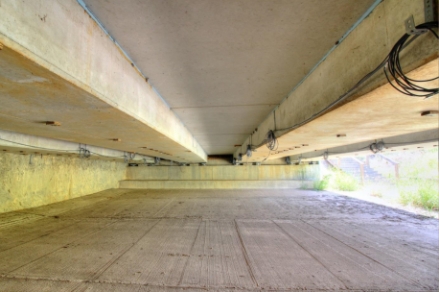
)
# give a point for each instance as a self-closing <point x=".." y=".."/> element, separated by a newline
<point x="31" y="181"/>
<point x="221" y="177"/>
<point x="44" y="179"/>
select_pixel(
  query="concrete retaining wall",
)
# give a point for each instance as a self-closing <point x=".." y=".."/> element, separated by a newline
<point x="52" y="178"/>
<point x="215" y="184"/>
<point x="221" y="177"/>
<point x="225" y="172"/>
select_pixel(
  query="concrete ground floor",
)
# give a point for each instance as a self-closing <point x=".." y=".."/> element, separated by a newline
<point x="217" y="240"/>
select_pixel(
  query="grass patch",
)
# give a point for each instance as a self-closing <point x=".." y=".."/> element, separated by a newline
<point x="418" y="182"/>
<point x="422" y="193"/>
<point x="337" y="180"/>
<point x="344" y="182"/>
<point x="376" y="194"/>
<point x="322" y="184"/>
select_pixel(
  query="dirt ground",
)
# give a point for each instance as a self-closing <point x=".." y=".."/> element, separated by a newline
<point x="198" y="240"/>
<point x="387" y="195"/>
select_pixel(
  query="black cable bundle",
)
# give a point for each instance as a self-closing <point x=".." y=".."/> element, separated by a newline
<point x="402" y="83"/>
<point x="392" y="68"/>
<point x="406" y="85"/>
<point x="271" y="141"/>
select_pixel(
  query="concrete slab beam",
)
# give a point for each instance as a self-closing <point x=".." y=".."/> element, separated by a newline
<point x="358" y="54"/>
<point x="27" y="144"/>
<point x="56" y="64"/>
<point x="418" y="140"/>
<point x="382" y="113"/>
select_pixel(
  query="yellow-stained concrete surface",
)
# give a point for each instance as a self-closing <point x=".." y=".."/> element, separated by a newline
<point x="42" y="179"/>
<point x="215" y="184"/>
<point x="187" y="240"/>
<point x="372" y="116"/>
<point x="225" y="172"/>
<point x="222" y="177"/>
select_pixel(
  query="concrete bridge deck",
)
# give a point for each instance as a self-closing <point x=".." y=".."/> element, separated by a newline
<point x="217" y="240"/>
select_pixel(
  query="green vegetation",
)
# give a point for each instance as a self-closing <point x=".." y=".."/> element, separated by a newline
<point x="419" y="192"/>
<point x="337" y="180"/>
<point x="322" y="184"/>
<point x="344" y="182"/>
<point x="418" y="183"/>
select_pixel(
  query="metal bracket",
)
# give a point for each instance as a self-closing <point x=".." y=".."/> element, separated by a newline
<point x="410" y="27"/>
<point x="430" y="10"/>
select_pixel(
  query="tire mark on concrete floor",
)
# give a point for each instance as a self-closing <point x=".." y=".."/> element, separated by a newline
<point x="102" y="270"/>
<point x="190" y="253"/>
<point x="365" y="255"/>
<point x="310" y="253"/>
<point x="57" y="249"/>
<point x="40" y="236"/>
<point x="165" y="206"/>
<point x="245" y="253"/>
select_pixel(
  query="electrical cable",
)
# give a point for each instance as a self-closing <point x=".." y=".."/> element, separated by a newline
<point x="249" y="151"/>
<point x="373" y="148"/>
<point x="401" y="82"/>
<point x="271" y="141"/>
<point x="395" y="68"/>
<point x="392" y="67"/>
<point x="379" y="146"/>
<point x="37" y="147"/>
<point x="86" y="153"/>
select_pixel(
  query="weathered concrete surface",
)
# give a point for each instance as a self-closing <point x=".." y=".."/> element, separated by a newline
<point x="222" y="177"/>
<point x="225" y="172"/>
<point x="379" y="114"/>
<point x="223" y="66"/>
<point x="21" y="143"/>
<point x="415" y="141"/>
<point x="179" y="240"/>
<point x="388" y="113"/>
<point x="56" y="64"/>
<point x="27" y="182"/>
<point x="216" y="184"/>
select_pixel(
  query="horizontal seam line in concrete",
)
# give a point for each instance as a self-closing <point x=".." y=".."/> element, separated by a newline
<point x="227" y="106"/>
<point x="349" y="31"/>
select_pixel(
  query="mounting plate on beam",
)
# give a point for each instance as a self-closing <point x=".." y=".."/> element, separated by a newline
<point x="430" y="8"/>
<point x="410" y="27"/>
